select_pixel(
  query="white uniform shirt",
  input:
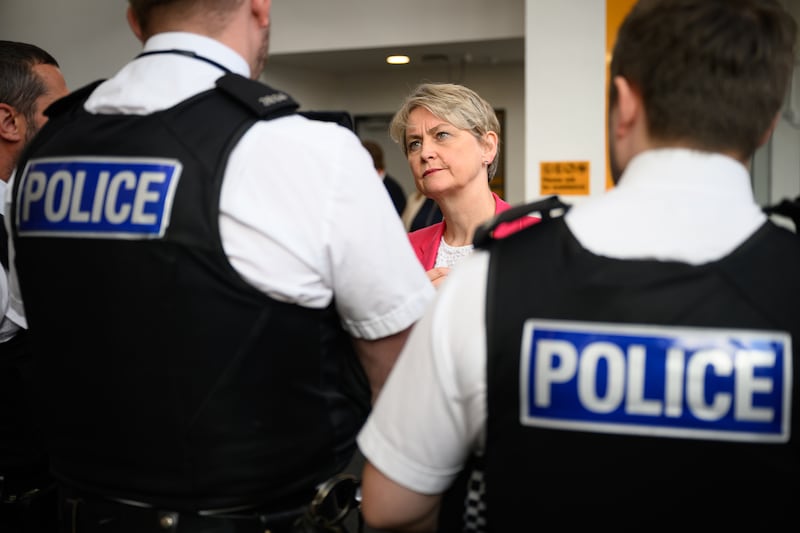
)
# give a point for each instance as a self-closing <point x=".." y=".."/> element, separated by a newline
<point x="302" y="215"/>
<point x="670" y="204"/>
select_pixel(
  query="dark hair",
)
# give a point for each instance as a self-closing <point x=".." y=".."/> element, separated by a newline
<point x="20" y="86"/>
<point x="376" y="152"/>
<point x="711" y="73"/>
<point x="145" y="10"/>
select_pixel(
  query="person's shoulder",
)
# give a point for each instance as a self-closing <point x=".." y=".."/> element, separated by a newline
<point x="342" y="118"/>
<point x="329" y="123"/>
<point x="302" y="122"/>
<point x="328" y="138"/>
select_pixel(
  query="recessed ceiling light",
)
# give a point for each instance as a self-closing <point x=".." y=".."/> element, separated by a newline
<point x="398" y="60"/>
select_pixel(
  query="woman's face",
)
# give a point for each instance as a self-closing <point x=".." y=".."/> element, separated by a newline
<point x="444" y="158"/>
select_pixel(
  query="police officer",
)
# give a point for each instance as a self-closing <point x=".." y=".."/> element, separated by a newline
<point x="630" y="365"/>
<point x="31" y="81"/>
<point x="209" y="315"/>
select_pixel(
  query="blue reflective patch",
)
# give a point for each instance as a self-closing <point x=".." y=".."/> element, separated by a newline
<point x="129" y="198"/>
<point x="704" y="383"/>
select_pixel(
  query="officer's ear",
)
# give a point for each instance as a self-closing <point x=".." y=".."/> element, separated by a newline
<point x="10" y="129"/>
<point x="261" y="11"/>
<point x="133" y="22"/>
<point x="628" y="107"/>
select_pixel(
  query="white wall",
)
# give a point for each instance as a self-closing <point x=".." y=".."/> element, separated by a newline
<point x="565" y="88"/>
<point x="311" y="25"/>
<point x="89" y="38"/>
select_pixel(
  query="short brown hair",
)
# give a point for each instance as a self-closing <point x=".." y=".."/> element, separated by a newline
<point x="711" y="73"/>
<point x="146" y="10"/>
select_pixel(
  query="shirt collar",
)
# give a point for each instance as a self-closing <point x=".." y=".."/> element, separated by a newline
<point x="690" y="170"/>
<point x="201" y="45"/>
<point x="670" y="204"/>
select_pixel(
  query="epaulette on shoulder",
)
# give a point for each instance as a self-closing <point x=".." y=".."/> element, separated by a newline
<point x="260" y="98"/>
<point x="64" y="104"/>
<point x="546" y="209"/>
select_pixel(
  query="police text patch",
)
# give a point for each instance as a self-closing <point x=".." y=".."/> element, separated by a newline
<point x="704" y="383"/>
<point x="114" y="197"/>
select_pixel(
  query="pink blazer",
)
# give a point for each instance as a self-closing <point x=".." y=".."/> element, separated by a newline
<point x="425" y="241"/>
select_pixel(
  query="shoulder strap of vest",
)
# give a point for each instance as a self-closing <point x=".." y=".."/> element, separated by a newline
<point x="261" y="99"/>
<point x="545" y="209"/>
<point x="73" y="99"/>
<point x="786" y="208"/>
<point x="266" y="102"/>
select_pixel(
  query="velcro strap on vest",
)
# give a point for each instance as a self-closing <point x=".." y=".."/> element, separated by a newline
<point x="261" y="99"/>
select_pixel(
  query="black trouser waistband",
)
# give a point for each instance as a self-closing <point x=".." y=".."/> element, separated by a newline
<point x="81" y="514"/>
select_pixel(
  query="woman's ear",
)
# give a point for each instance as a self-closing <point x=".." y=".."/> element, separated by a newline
<point x="490" y="144"/>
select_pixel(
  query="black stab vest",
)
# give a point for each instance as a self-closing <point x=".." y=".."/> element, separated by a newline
<point x="583" y="479"/>
<point x="163" y="376"/>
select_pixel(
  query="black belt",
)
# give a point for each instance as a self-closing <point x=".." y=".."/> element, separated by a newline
<point x="85" y="513"/>
<point x="95" y="515"/>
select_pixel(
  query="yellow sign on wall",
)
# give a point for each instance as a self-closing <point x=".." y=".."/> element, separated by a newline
<point x="564" y="177"/>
